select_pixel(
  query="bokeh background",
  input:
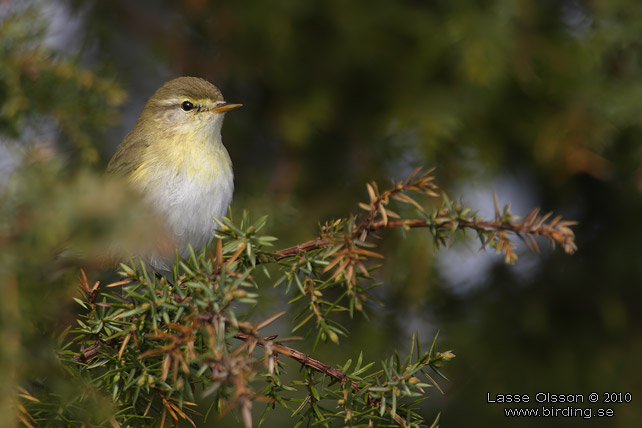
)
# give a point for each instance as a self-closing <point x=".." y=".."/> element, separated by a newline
<point x="537" y="100"/>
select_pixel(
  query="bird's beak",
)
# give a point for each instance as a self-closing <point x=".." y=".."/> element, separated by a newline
<point x="225" y="107"/>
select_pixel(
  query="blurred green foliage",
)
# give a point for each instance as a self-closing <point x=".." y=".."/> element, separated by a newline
<point x="42" y="90"/>
<point x="337" y="93"/>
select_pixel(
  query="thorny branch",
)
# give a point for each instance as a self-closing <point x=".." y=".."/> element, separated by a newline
<point x="378" y="217"/>
<point x="278" y="348"/>
<point x="184" y="337"/>
<point x="346" y="237"/>
<point x="301" y="357"/>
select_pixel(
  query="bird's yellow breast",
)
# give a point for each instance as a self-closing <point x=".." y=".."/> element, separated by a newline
<point x="202" y="162"/>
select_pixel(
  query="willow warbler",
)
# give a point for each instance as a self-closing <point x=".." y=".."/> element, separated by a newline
<point x="175" y="159"/>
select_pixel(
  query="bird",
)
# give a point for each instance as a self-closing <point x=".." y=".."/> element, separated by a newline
<point x="174" y="158"/>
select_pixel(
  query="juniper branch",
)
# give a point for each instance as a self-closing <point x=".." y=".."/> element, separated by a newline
<point x="377" y="218"/>
<point x="301" y="357"/>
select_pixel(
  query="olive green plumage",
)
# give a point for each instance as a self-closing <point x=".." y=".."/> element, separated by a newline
<point x="175" y="158"/>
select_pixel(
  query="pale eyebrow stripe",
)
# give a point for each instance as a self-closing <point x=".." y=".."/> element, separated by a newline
<point x="172" y="101"/>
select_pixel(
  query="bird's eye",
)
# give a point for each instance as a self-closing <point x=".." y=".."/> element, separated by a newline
<point x="187" y="106"/>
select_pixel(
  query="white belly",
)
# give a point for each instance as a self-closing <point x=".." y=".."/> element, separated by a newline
<point x="188" y="207"/>
<point x="192" y="208"/>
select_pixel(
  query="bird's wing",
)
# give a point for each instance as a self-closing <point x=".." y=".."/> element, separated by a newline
<point x="128" y="156"/>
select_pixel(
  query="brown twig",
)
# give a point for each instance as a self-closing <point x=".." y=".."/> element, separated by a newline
<point x="557" y="231"/>
<point x="299" y="356"/>
<point x="310" y="245"/>
<point x="316" y="365"/>
<point x="378" y="217"/>
<point x="88" y="354"/>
